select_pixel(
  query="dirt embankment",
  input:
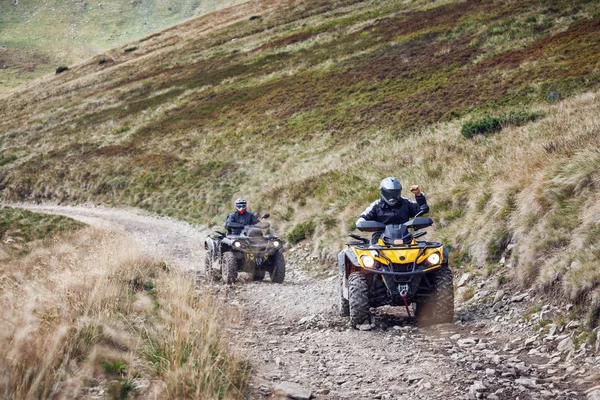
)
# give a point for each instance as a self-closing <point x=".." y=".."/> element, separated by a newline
<point x="299" y="346"/>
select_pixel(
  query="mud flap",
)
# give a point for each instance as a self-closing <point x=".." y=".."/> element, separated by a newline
<point x="343" y="273"/>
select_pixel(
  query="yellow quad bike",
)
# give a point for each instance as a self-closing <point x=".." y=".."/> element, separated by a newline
<point x="398" y="270"/>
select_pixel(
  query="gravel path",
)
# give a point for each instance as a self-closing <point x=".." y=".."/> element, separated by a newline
<point x="300" y="348"/>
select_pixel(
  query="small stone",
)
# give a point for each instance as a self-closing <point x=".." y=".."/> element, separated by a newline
<point x="527" y="382"/>
<point x="477" y="387"/>
<point x="293" y="391"/>
<point x="467" y="342"/>
<point x="364" y="327"/>
<point x="566" y="345"/>
<point x="569" y="307"/>
<point x="573" y="325"/>
<point x="593" y="395"/>
<point x="499" y="296"/>
<point x="466" y="277"/>
<point x="455" y="337"/>
<point x="517" y="298"/>
<point x="546" y="315"/>
<point x="490" y="371"/>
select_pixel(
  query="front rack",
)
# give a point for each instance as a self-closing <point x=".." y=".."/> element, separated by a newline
<point x="418" y="245"/>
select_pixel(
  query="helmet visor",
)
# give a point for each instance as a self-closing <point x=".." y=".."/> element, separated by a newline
<point x="391" y="196"/>
<point x="240" y="206"/>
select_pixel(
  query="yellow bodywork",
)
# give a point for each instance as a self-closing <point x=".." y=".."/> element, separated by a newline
<point x="399" y="255"/>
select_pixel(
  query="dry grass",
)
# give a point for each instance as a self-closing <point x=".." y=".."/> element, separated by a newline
<point x="90" y="317"/>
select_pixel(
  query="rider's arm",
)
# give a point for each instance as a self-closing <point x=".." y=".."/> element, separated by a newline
<point x="415" y="207"/>
<point x="370" y="214"/>
<point x="254" y="220"/>
<point x="228" y="220"/>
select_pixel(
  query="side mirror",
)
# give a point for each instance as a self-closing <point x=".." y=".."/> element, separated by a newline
<point x="265" y="216"/>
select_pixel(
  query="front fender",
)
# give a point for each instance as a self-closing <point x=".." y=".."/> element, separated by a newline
<point x="212" y="246"/>
<point x="445" y="255"/>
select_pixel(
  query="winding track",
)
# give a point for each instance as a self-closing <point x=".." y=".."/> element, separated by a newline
<point x="291" y="333"/>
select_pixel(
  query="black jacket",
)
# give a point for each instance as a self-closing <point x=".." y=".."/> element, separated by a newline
<point x="245" y="219"/>
<point x="382" y="212"/>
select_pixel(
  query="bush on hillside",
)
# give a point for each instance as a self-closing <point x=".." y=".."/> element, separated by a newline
<point x="7" y="160"/>
<point x="62" y="69"/>
<point x="490" y="124"/>
<point x="130" y="49"/>
<point x="301" y="232"/>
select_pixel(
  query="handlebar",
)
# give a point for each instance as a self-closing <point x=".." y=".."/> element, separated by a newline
<point x="362" y="239"/>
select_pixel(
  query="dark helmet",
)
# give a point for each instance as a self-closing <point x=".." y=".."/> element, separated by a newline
<point x="390" y="189"/>
<point x="240" y="205"/>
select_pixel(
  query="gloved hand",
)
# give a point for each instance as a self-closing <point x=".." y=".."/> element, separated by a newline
<point x="416" y="190"/>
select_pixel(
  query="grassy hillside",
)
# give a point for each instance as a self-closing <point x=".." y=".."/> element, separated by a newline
<point x="22" y="230"/>
<point x="304" y="107"/>
<point x="38" y="36"/>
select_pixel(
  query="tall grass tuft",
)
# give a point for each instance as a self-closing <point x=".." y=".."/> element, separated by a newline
<point x="90" y="315"/>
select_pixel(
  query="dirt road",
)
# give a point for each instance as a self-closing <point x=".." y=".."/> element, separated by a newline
<point x="299" y="346"/>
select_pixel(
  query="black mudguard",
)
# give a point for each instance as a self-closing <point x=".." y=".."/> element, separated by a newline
<point x="445" y="254"/>
<point x="213" y="247"/>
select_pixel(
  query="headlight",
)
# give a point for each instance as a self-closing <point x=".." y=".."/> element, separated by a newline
<point x="276" y="243"/>
<point x="434" y="259"/>
<point x="237" y="244"/>
<point x="368" y="261"/>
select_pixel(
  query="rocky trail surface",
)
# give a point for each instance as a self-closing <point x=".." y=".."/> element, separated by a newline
<point x="299" y="348"/>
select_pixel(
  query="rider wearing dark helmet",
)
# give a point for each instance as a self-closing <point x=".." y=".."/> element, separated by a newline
<point x="240" y="216"/>
<point x="391" y="208"/>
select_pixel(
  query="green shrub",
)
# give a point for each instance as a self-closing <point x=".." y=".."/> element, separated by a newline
<point x="519" y="118"/>
<point x="7" y="160"/>
<point x="130" y="49"/>
<point x="301" y="232"/>
<point x="62" y="69"/>
<point x="483" y="125"/>
<point x="490" y="124"/>
<point x="102" y="61"/>
<point x="255" y="17"/>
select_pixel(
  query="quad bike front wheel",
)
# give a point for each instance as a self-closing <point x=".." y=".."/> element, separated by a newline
<point x="358" y="299"/>
<point x="277" y="273"/>
<point x="208" y="268"/>
<point x="259" y="274"/>
<point x="439" y="309"/>
<point x="343" y="304"/>
<point x="229" y="270"/>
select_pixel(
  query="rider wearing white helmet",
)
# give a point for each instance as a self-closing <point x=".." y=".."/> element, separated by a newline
<point x="240" y="216"/>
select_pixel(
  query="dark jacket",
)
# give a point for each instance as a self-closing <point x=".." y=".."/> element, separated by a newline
<point x="382" y="212"/>
<point x="245" y="219"/>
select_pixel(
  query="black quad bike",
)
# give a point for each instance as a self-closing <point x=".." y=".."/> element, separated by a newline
<point x="398" y="270"/>
<point x="250" y="252"/>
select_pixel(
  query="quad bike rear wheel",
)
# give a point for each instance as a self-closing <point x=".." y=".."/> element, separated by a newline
<point x="439" y="308"/>
<point x="229" y="273"/>
<point x="343" y="304"/>
<point x="277" y="273"/>
<point x="358" y="299"/>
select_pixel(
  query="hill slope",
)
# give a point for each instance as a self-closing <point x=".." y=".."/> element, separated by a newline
<point x="304" y="106"/>
<point x="38" y="36"/>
